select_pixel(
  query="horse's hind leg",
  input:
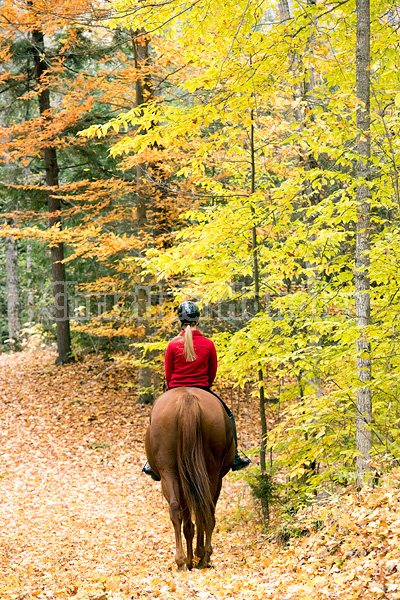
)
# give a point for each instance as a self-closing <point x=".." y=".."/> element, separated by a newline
<point x="208" y="547"/>
<point x="204" y="551"/>
<point x="188" y="530"/>
<point x="200" y="550"/>
<point x="171" y="492"/>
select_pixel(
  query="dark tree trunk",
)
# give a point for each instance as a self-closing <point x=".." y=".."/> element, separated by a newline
<point x="256" y="279"/>
<point x="57" y="251"/>
<point x="143" y="93"/>
<point x="362" y="260"/>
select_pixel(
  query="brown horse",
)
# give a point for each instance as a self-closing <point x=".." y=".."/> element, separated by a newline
<point x="189" y="444"/>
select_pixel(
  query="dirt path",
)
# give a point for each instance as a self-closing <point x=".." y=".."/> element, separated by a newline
<point x="77" y="517"/>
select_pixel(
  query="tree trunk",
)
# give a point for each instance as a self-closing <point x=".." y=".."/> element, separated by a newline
<point x="362" y="260"/>
<point x="13" y="292"/>
<point x="57" y="251"/>
<point x="256" y="279"/>
<point x="146" y="395"/>
<point x="284" y="12"/>
<point x="143" y="93"/>
<point x="29" y="279"/>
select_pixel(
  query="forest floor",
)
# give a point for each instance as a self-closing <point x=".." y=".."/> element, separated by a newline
<point x="78" y="519"/>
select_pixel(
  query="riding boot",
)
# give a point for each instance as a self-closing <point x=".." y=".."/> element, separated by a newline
<point x="239" y="462"/>
<point x="148" y="471"/>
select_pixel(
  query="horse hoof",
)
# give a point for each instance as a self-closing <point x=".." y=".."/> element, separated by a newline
<point x="204" y="565"/>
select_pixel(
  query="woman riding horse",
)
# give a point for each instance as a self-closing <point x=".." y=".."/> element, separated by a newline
<point x="191" y="361"/>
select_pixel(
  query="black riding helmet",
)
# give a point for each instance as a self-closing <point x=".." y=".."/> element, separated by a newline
<point x="188" y="312"/>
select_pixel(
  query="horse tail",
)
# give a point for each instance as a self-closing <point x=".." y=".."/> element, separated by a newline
<point x="191" y="462"/>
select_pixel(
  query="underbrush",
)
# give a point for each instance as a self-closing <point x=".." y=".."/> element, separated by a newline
<point x="299" y="509"/>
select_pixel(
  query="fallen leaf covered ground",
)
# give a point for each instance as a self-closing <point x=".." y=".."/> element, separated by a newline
<point x="78" y="519"/>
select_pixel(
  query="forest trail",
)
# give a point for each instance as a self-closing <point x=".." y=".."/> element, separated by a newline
<point x="79" y="520"/>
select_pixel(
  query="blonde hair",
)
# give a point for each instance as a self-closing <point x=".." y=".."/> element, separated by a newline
<point x="188" y="348"/>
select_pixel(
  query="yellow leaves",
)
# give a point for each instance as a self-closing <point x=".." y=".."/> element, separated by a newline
<point x="395" y="527"/>
<point x="347" y="522"/>
<point x="113" y="583"/>
<point x="21" y="232"/>
<point x="184" y="171"/>
<point x="297" y="472"/>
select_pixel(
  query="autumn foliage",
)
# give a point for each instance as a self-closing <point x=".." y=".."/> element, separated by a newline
<point x="156" y="152"/>
<point x="80" y="520"/>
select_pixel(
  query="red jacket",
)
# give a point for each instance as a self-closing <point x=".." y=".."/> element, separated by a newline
<point x="202" y="371"/>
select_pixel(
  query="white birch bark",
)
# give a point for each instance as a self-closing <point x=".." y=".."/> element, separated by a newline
<point x="29" y="280"/>
<point x="362" y="261"/>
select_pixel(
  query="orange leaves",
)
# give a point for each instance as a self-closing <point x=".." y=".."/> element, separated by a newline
<point x="345" y="522"/>
<point x="79" y="520"/>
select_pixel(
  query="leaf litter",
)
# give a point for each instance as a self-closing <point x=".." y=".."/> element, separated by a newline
<point x="78" y="519"/>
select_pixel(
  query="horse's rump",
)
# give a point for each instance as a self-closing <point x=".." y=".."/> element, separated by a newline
<point x="198" y="415"/>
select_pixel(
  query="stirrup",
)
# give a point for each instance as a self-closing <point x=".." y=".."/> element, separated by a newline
<point x="148" y="471"/>
<point x="240" y="462"/>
